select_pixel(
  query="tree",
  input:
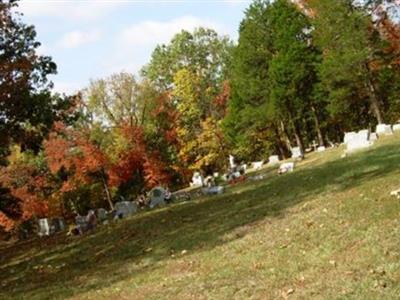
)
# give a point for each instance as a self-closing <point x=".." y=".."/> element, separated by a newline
<point x="202" y="52"/>
<point x="27" y="107"/>
<point x="26" y="184"/>
<point x="351" y="48"/>
<point x="248" y="109"/>
<point x="72" y="156"/>
<point x="292" y="72"/>
<point x="119" y="99"/>
<point x="192" y="69"/>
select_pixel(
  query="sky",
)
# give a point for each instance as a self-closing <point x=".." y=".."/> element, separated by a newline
<point x="91" y="39"/>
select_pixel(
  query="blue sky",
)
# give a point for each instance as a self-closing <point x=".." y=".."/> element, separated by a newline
<point x="91" y="39"/>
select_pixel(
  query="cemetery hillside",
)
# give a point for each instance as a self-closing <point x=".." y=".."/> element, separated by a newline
<point x="329" y="230"/>
<point x="262" y="165"/>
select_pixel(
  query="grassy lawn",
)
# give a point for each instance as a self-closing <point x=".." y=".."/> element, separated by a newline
<point x="329" y="230"/>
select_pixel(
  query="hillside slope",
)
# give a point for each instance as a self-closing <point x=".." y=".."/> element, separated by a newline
<point x="329" y="230"/>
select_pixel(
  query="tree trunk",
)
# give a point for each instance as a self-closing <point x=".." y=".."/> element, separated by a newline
<point x="317" y="126"/>
<point x="373" y="97"/>
<point x="297" y="136"/>
<point x="285" y="136"/>
<point x="279" y="145"/>
<point x="108" y="195"/>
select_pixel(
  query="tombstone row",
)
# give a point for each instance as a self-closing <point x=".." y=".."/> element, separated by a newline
<point x="363" y="139"/>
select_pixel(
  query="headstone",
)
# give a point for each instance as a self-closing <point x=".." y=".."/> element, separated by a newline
<point x="373" y="137"/>
<point x="232" y="161"/>
<point x="214" y="190"/>
<point x="383" y="129"/>
<point x="81" y="223"/>
<point x="102" y="215"/>
<point x="296" y="153"/>
<point x="125" y="208"/>
<point x="209" y="181"/>
<point x="321" y="149"/>
<point x="258" y="164"/>
<point x="396" y="127"/>
<point x="216" y="174"/>
<point x="360" y="140"/>
<point x="273" y="160"/>
<point x="197" y="179"/>
<point x="44" y="227"/>
<point x="58" y="224"/>
<point x="257" y="177"/>
<point x="349" y="136"/>
<point x="286" y="167"/>
<point x="314" y="145"/>
<point x="157" y="196"/>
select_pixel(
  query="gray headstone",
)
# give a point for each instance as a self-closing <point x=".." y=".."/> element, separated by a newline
<point x="215" y="190"/>
<point x="81" y="222"/>
<point x="157" y="196"/>
<point x="102" y="215"/>
<point x="58" y="224"/>
<point x="125" y="208"/>
<point x="321" y="149"/>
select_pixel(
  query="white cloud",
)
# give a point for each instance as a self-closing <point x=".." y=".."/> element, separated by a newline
<point x="78" y="38"/>
<point x="71" y="10"/>
<point x="155" y="32"/>
<point x="134" y="44"/>
<point x="69" y="88"/>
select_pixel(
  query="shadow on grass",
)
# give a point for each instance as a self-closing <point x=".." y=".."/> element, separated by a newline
<point x="119" y="251"/>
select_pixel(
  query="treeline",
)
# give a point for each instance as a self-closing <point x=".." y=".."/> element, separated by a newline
<point x="301" y="72"/>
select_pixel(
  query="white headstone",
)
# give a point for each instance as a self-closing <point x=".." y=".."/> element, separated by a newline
<point x="373" y="137"/>
<point x="383" y="129"/>
<point x="321" y="149"/>
<point x="359" y="141"/>
<point x="396" y="127"/>
<point x="258" y="164"/>
<point x="286" y="167"/>
<point x="349" y="136"/>
<point x="44" y="227"/>
<point x="197" y="179"/>
<point x="232" y="161"/>
<point x="273" y="160"/>
<point x="296" y="153"/>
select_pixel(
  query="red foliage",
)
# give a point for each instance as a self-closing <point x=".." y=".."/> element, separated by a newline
<point x="222" y="99"/>
<point x="27" y="187"/>
<point x="72" y="151"/>
<point x="137" y="158"/>
<point x="155" y="171"/>
<point x="167" y="117"/>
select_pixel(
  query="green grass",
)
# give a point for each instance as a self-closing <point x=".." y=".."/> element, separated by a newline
<point x="329" y="230"/>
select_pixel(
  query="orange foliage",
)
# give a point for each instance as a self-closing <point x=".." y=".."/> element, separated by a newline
<point x="72" y="151"/>
<point x="26" y="186"/>
<point x="5" y="222"/>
